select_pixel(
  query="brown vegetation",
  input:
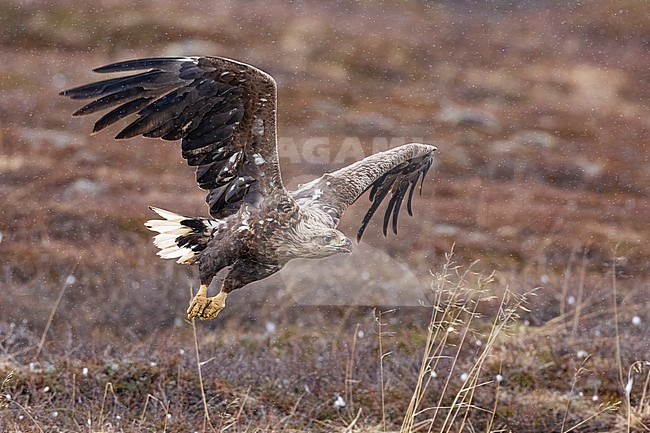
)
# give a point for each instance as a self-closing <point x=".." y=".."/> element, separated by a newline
<point x="540" y="113"/>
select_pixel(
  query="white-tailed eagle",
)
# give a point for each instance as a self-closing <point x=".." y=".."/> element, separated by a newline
<point x="224" y="113"/>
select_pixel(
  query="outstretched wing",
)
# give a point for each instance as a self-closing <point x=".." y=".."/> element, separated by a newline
<point x="395" y="171"/>
<point x="223" y="111"/>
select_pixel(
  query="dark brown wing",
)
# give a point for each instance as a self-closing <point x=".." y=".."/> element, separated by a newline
<point x="395" y="171"/>
<point x="223" y="111"/>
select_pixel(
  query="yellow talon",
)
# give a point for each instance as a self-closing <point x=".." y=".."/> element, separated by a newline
<point x="206" y="308"/>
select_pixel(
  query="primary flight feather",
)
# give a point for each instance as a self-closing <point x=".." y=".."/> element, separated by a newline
<point x="224" y="113"/>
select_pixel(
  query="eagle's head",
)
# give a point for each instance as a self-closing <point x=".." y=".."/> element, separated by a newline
<point x="329" y="241"/>
<point x="309" y="236"/>
<point x="313" y="241"/>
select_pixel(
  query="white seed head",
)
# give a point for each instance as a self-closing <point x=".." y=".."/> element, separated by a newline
<point x="270" y="327"/>
<point x="339" y="403"/>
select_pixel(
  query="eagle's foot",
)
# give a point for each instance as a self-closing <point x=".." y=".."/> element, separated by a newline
<point x="206" y="308"/>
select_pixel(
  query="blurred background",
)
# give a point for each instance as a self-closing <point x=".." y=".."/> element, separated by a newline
<point x="539" y="109"/>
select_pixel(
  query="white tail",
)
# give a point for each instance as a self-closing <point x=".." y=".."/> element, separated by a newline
<point x="182" y="237"/>
<point x="169" y="230"/>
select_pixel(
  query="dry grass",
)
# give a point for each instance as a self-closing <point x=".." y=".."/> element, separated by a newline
<point x="461" y="372"/>
<point x="456" y="301"/>
<point x="540" y="114"/>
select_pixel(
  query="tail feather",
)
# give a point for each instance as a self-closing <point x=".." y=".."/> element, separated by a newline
<point x="180" y="237"/>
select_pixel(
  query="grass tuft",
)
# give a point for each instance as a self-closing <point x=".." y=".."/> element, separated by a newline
<point x="457" y="296"/>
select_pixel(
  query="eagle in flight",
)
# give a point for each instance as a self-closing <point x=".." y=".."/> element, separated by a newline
<point x="224" y="113"/>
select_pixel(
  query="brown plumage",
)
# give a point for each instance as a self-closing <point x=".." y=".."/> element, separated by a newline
<point x="224" y="113"/>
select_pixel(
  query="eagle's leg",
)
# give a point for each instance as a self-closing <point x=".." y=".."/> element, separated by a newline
<point x="201" y="305"/>
<point x="242" y="273"/>
<point x="206" y="308"/>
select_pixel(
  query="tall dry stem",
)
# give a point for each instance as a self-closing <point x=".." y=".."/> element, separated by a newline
<point x="206" y="412"/>
<point x="382" y="355"/>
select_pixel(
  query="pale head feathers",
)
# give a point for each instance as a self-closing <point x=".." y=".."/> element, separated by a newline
<point x="311" y="235"/>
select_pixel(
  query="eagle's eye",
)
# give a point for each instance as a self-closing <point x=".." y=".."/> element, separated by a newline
<point x="328" y="239"/>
